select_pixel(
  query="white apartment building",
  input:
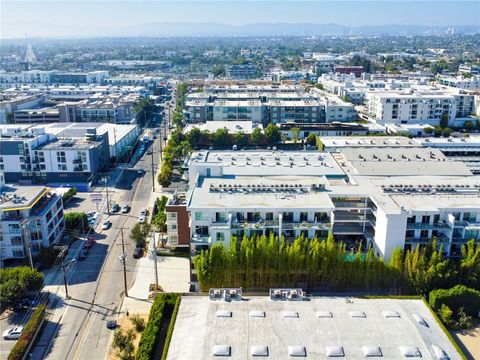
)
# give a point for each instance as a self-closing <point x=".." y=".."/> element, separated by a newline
<point x="267" y="104"/>
<point x="461" y="82"/>
<point x="30" y="216"/>
<point x="386" y="198"/>
<point x="9" y="79"/>
<point x="11" y="103"/>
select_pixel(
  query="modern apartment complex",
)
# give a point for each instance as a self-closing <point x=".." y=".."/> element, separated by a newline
<point x="8" y="79"/>
<point x="275" y="104"/>
<point x="240" y="72"/>
<point x="30" y="216"/>
<point x="61" y="153"/>
<point x="383" y="197"/>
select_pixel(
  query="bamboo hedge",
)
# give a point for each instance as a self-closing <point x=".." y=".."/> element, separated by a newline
<point x="264" y="262"/>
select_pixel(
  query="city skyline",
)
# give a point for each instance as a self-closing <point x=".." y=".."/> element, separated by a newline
<point x="21" y="19"/>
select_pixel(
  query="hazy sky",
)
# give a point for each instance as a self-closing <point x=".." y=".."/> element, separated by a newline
<point x="69" y="17"/>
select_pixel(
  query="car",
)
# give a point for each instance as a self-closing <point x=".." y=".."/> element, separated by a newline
<point x="115" y="208"/>
<point x="143" y="211"/>
<point x="138" y="252"/>
<point x="142" y="218"/>
<point x="125" y="208"/>
<point x="112" y="324"/>
<point x="83" y="254"/>
<point x="106" y="225"/>
<point x="13" y="333"/>
<point x="89" y="243"/>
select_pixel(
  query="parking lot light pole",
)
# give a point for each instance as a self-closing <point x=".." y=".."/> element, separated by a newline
<point x="153" y="170"/>
<point x="65" y="267"/>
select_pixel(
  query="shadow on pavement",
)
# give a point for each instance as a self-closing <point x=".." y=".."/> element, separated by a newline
<point x="75" y="202"/>
<point x="127" y="179"/>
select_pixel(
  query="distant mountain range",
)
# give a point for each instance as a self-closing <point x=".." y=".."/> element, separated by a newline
<point x="285" y="29"/>
<point x="161" y="29"/>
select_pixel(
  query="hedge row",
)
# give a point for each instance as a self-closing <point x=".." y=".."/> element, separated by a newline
<point x="171" y="326"/>
<point x="455" y="298"/>
<point x="36" y="320"/>
<point x="445" y="331"/>
<point x="150" y="336"/>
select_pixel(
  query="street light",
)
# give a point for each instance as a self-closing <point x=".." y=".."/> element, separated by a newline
<point x="65" y="267"/>
<point x="105" y="180"/>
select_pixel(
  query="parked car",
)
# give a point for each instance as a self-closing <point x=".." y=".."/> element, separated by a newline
<point x="125" y="208"/>
<point x="143" y="211"/>
<point x="112" y="324"/>
<point x="13" y="333"/>
<point x="106" y="225"/>
<point x="89" y="243"/>
<point x="142" y="218"/>
<point x="138" y="252"/>
<point x="115" y="208"/>
<point x="83" y="254"/>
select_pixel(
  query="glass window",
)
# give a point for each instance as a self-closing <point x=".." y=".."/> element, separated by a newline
<point x="220" y="236"/>
<point x="17" y="253"/>
<point x="200" y="216"/>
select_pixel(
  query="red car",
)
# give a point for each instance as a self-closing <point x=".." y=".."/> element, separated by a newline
<point x="89" y="243"/>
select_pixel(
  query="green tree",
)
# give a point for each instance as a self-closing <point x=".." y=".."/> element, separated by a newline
<point x="139" y="233"/>
<point x="428" y="130"/>
<point x="312" y="140"/>
<point x="295" y="134"/>
<point x="272" y="135"/>
<point x="257" y="137"/>
<point x="469" y="267"/>
<point x="144" y="110"/>
<point x="16" y="282"/>
<point x="76" y="221"/>
<point x="239" y="138"/>
<point x="444" y="119"/>
<point x="221" y="138"/>
<point x="47" y="256"/>
<point x="445" y="314"/>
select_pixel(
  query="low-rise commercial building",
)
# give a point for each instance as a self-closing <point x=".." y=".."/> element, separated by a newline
<point x="31" y="218"/>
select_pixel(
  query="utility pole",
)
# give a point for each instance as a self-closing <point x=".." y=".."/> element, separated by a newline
<point x="155" y="261"/>
<point x="153" y="170"/>
<point x="122" y="259"/>
<point x="65" y="268"/>
<point x="25" y="225"/>
<point x="105" y="179"/>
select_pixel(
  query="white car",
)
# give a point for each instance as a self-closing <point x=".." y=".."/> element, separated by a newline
<point x="106" y="225"/>
<point x="141" y="218"/>
<point x="13" y="333"/>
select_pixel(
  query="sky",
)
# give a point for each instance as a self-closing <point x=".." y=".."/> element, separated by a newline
<point x="33" y="18"/>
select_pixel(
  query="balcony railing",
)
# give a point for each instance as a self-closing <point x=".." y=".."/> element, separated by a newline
<point x="437" y="225"/>
<point x="201" y="239"/>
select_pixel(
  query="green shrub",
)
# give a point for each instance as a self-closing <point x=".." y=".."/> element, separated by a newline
<point x="170" y="329"/>
<point x="137" y="322"/>
<point x="445" y="313"/>
<point x="29" y="331"/>
<point x="455" y="298"/>
<point x="69" y="194"/>
<point x="163" y="305"/>
<point x="16" y="282"/>
<point x="123" y="343"/>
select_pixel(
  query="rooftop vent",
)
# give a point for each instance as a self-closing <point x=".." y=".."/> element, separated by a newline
<point x="259" y="350"/>
<point x="290" y="314"/>
<point x="357" y="314"/>
<point x="223" y="313"/>
<point x="334" y="351"/>
<point x="410" y="351"/>
<point x="390" y="314"/>
<point x="372" y="351"/>
<point x="257" y="313"/>
<point x="324" y="314"/>
<point x="297" y="350"/>
<point x="439" y="353"/>
<point x="420" y="320"/>
<point x="222" y="350"/>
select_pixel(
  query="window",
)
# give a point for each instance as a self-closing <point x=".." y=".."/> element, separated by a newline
<point x="173" y="239"/>
<point x="411" y="220"/>
<point x="200" y="216"/>
<point x="457" y="216"/>
<point x="220" y="236"/>
<point x="221" y="217"/>
<point x="62" y="167"/>
<point x="426" y="219"/>
<point x="16" y="240"/>
<point x="171" y="216"/>
<point x="470" y="216"/>
<point x="269" y="216"/>
<point x="409" y="234"/>
<point x="18" y="253"/>
<point x="14" y="228"/>
<point x="424" y="234"/>
<point x="436" y="218"/>
<point x="61" y="157"/>
<point x="304" y="216"/>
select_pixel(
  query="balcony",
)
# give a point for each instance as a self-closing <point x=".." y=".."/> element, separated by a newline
<point x="437" y="225"/>
<point x="77" y="161"/>
<point x="201" y="239"/>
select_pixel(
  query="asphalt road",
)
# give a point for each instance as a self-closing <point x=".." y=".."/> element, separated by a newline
<point x="96" y="285"/>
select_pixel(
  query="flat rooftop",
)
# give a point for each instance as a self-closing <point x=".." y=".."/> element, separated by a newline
<point x="232" y="126"/>
<point x="388" y="324"/>
<point x="17" y="196"/>
<point x="332" y="142"/>
<point x="270" y="162"/>
<point x="261" y="192"/>
<point x="402" y="161"/>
